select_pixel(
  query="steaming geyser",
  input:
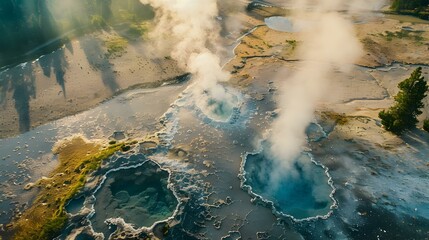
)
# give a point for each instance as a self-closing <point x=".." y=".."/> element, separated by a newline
<point x="189" y="32"/>
<point x="290" y="179"/>
<point x="219" y="109"/>
<point x="303" y="192"/>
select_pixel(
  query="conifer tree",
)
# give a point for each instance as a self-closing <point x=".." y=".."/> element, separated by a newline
<point x="403" y="115"/>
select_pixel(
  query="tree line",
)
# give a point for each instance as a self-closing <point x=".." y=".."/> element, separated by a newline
<point x="419" y="8"/>
<point x="28" y="24"/>
<point x="399" y="5"/>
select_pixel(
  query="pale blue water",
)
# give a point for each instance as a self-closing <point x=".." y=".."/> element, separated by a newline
<point x="301" y="192"/>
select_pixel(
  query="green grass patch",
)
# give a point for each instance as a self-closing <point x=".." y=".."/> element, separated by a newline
<point x="403" y="34"/>
<point x="115" y="46"/>
<point x="97" y="22"/>
<point x="292" y="43"/>
<point x="46" y="217"/>
<point x="138" y="30"/>
<point x="340" y="119"/>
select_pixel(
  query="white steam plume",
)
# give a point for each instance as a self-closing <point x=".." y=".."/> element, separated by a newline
<point x="336" y="5"/>
<point x="329" y="44"/>
<point x="189" y="31"/>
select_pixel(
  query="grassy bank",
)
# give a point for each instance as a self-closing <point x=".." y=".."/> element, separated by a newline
<point x="47" y="217"/>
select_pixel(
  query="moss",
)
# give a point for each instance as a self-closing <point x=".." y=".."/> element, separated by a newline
<point x="125" y="148"/>
<point x="340" y="119"/>
<point x="137" y="30"/>
<point x="98" y="22"/>
<point x="46" y="217"/>
<point x="292" y="43"/>
<point x="403" y="34"/>
<point x="268" y="45"/>
<point x="115" y="46"/>
<point x="53" y="227"/>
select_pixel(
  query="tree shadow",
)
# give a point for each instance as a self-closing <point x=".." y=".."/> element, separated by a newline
<point x="69" y="46"/>
<point x="55" y="63"/>
<point x="21" y="81"/>
<point x="418" y="140"/>
<point x="97" y="59"/>
<point x="29" y="30"/>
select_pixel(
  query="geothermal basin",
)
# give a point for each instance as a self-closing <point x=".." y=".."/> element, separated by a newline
<point x="302" y="192"/>
<point x="140" y="196"/>
<point x="225" y="108"/>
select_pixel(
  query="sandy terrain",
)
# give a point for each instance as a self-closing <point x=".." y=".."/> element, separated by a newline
<point x="80" y="76"/>
<point x="409" y="44"/>
<point x="72" y="79"/>
<point x="362" y="157"/>
<point x="369" y="88"/>
<point x="386" y="38"/>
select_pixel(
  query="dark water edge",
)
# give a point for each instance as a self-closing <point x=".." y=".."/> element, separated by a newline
<point x="139" y="196"/>
<point x="8" y="60"/>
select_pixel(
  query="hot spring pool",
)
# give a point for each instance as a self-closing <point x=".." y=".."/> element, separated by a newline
<point x="286" y="24"/>
<point x="223" y="109"/>
<point x="139" y="195"/>
<point x="302" y="193"/>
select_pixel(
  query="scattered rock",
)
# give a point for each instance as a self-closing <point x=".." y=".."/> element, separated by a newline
<point x="217" y="224"/>
<point x="29" y="186"/>
<point x="262" y="235"/>
<point x="148" y="146"/>
<point x="118" y="135"/>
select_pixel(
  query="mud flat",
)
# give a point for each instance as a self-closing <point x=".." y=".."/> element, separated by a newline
<point x="74" y="78"/>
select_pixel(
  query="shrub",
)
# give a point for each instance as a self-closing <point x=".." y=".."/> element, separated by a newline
<point x="98" y="22"/>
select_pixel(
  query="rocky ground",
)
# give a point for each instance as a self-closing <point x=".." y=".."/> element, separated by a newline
<point x="83" y="73"/>
<point x="75" y="78"/>
<point x="378" y="175"/>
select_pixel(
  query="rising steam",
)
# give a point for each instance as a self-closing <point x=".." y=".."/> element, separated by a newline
<point x="329" y="44"/>
<point x="189" y="31"/>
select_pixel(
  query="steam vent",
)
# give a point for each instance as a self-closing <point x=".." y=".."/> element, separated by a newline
<point x="301" y="192"/>
<point x="225" y="108"/>
<point x="214" y="119"/>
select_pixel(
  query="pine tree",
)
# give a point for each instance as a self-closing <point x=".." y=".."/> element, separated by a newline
<point x="403" y="115"/>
